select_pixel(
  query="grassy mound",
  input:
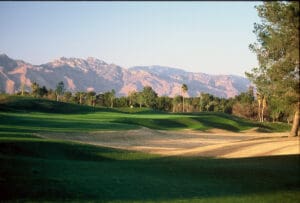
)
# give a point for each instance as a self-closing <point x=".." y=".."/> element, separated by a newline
<point x="48" y="170"/>
<point x="30" y="104"/>
<point x="36" y="169"/>
<point x="137" y="110"/>
<point x="29" y="115"/>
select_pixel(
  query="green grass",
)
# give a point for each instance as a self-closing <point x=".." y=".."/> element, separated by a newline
<point x="36" y="169"/>
<point x="28" y="115"/>
<point x="39" y="170"/>
<point x="30" y="104"/>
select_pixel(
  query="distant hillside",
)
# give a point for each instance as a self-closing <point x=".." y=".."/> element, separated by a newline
<point x="94" y="74"/>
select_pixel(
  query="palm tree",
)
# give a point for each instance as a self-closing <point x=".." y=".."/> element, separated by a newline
<point x="22" y="88"/>
<point x="184" y="89"/>
<point x="112" y="97"/>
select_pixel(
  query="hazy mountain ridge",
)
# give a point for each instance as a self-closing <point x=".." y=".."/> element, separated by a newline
<point x="94" y="74"/>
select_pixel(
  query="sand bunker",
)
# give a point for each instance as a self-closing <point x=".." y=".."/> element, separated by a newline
<point x="214" y="143"/>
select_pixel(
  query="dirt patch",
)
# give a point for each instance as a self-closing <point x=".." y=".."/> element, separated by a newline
<point x="214" y="143"/>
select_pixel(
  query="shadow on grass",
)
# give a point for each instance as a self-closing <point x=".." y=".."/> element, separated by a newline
<point x="48" y="106"/>
<point x="137" y="110"/>
<point x="49" y="170"/>
<point x="196" y="121"/>
<point x="31" y="104"/>
<point x="11" y="122"/>
<point x="208" y="120"/>
<point x="158" y="124"/>
<point x="28" y="123"/>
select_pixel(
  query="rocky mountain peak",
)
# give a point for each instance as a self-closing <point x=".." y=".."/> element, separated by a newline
<point x="95" y="61"/>
<point x="91" y="73"/>
<point x="3" y="56"/>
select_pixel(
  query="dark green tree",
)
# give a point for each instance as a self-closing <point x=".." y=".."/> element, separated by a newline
<point x="67" y="96"/>
<point x="42" y="91"/>
<point x="140" y="99"/>
<point x="164" y="103"/>
<point x="122" y="101"/>
<point x="149" y="97"/>
<point x="195" y="103"/>
<point x="277" y="50"/>
<point x="38" y="91"/>
<point x="206" y="101"/>
<point x="184" y="89"/>
<point x="80" y="97"/>
<point x="60" y="89"/>
<point x="91" y="96"/>
<point x="132" y="97"/>
<point x="107" y="99"/>
<point x="34" y="89"/>
<point x="112" y="98"/>
<point x="100" y="100"/>
<point x="177" y="103"/>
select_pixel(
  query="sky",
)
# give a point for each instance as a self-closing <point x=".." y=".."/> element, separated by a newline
<point x="208" y="37"/>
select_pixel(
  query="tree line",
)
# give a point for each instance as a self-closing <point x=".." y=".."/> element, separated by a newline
<point x="246" y="105"/>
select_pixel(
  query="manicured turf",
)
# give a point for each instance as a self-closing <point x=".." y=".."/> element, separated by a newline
<point x="29" y="115"/>
<point x="36" y="169"/>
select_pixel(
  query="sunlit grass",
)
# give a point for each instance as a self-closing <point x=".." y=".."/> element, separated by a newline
<point x="36" y="169"/>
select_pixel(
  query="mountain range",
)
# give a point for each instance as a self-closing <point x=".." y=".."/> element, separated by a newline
<point x="92" y="74"/>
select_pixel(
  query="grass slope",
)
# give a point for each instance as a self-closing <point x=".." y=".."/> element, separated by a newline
<point x="29" y="115"/>
<point x="40" y="170"/>
<point x="30" y="104"/>
<point x="36" y="169"/>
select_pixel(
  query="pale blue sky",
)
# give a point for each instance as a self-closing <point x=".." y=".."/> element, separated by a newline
<point x="209" y="37"/>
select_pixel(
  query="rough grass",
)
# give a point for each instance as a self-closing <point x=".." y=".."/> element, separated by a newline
<point x="35" y="169"/>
